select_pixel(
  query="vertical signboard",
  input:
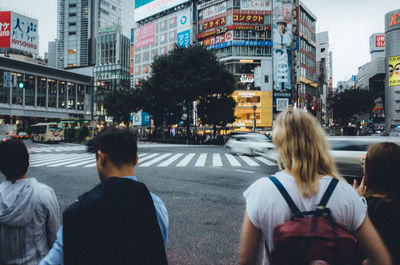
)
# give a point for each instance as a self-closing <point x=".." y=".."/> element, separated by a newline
<point x="183" y="33"/>
<point x="24" y="33"/>
<point x="5" y="29"/>
<point x="282" y="53"/>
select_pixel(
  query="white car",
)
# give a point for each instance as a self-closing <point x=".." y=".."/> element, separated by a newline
<point x="251" y="144"/>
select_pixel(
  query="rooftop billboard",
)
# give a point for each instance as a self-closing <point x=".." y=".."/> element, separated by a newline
<point x="155" y="7"/>
<point x="19" y="32"/>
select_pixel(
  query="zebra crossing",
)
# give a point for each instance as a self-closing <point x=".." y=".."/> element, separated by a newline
<point x="57" y="149"/>
<point x="146" y="160"/>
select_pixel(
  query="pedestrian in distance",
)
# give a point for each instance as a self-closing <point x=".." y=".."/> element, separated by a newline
<point x="307" y="174"/>
<point x="29" y="211"/>
<point x="381" y="188"/>
<point x="117" y="222"/>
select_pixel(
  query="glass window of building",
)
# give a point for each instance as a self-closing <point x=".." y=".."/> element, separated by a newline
<point x="52" y="97"/>
<point x="30" y="90"/>
<point x="163" y="26"/>
<point x="81" y="97"/>
<point x="61" y="95"/>
<point x="4" y="90"/>
<point x="41" y="92"/>
<point x="71" y="96"/>
<point x="172" y="23"/>
<point x="17" y="91"/>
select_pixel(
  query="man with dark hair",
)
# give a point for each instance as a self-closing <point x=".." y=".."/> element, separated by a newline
<point x="29" y="212"/>
<point x="119" y="221"/>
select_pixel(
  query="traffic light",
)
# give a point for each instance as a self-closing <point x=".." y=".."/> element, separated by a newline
<point x="21" y="85"/>
<point x="312" y="108"/>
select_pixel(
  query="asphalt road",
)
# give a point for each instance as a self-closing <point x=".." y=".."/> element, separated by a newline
<point x="204" y="197"/>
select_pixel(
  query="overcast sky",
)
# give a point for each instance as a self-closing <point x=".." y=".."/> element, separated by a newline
<point x="349" y="22"/>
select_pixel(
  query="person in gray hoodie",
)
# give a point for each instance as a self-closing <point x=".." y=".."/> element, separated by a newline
<point x="29" y="211"/>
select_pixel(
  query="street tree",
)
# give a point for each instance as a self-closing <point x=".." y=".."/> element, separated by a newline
<point x="217" y="107"/>
<point x="119" y="104"/>
<point x="347" y="104"/>
<point x="177" y="79"/>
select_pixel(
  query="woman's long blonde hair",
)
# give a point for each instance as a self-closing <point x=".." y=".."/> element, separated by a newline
<point x="303" y="150"/>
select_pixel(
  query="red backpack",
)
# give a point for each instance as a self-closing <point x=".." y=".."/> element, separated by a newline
<point x="313" y="237"/>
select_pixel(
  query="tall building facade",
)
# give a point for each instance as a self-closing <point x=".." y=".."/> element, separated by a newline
<point x="324" y="73"/>
<point x="392" y="85"/>
<point x="307" y="94"/>
<point x="79" y="23"/>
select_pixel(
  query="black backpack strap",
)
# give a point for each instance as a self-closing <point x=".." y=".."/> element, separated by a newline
<point x="285" y="195"/>
<point x="328" y="192"/>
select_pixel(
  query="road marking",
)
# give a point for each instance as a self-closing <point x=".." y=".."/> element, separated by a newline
<point x="92" y="160"/>
<point x="155" y="160"/>
<point x="217" y="162"/>
<point x="201" y="161"/>
<point x="73" y="161"/>
<point x="35" y="157"/>
<point x="147" y="157"/>
<point x="186" y="160"/>
<point x="232" y="160"/>
<point x="52" y="158"/>
<point x="170" y="160"/>
<point x="245" y="171"/>
<point x="39" y="164"/>
<point x="249" y="161"/>
<point x="265" y="161"/>
<point x="142" y="155"/>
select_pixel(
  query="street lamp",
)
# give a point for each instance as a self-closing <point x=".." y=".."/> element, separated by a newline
<point x="254" y="117"/>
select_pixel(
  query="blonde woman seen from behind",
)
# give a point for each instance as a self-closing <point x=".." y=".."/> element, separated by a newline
<point x="306" y="171"/>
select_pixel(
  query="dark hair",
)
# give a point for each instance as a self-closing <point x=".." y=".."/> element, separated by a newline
<point x="14" y="159"/>
<point x="382" y="167"/>
<point x="118" y="143"/>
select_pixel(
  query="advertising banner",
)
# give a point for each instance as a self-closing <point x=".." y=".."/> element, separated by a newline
<point x="212" y="11"/>
<point x="380" y="41"/>
<point x="146" y="35"/>
<point x="24" y="33"/>
<point x="155" y="7"/>
<point x="5" y="29"/>
<point x="249" y="19"/>
<point x="231" y="27"/>
<point x="214" y="23"/>
<point x="394" y="71"/>
<point x="183" y="33"/>
<point x="228" y="36"/>
<point x="261" y="5"/>
<point x="282" y="53"/>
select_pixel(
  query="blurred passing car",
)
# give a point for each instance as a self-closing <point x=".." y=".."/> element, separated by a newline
<point x="248" y="143"/>
<point x="4" y="138"/>
<point x="23" y="135"/>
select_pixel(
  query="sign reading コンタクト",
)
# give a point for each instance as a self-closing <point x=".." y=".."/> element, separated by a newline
<point x="19" y="32"/>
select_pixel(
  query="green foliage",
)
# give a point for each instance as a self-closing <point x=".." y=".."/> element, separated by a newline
<point x="351" y="102"/>
<point x="180" y="77"/>
<point x="81" y="133"/>
<point x="69" y="134"/>
<point x="119" y="104"/>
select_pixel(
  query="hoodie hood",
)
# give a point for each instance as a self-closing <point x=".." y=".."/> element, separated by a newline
<point x="18" y="201"/>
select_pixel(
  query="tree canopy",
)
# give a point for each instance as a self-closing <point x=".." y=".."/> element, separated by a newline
<point x="350" y="102"/>
<point x="182" y="76"/>
<point x="119" y="104"/>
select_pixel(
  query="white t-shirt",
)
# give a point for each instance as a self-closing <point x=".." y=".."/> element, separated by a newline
<point x="267" y="208"/>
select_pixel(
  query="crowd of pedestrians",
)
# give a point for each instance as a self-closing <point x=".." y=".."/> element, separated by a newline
<point x="120" y="221"/>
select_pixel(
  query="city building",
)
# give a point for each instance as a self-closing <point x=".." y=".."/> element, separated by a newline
<point x="31" y="93"/>
<point x="112" y="67"/>
<point x="52" y="54"/>
<point x="324" y="74"/>
<point x="392" y="59"/>
<point x="307" y="94"/>
<point x="80" y="23"/>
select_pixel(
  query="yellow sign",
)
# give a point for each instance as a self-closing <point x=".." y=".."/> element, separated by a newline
<point x="394" y="71"/>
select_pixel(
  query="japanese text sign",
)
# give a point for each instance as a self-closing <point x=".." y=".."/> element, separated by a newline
<point x="215" y="23"/>
<point x="251" y="19"/>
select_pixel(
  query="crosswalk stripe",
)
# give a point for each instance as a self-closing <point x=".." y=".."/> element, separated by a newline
<point x="170" y="160"/>
<point x="233" y="161"/>
<point x="91" y="165"/>
<point x="142" y="155"/>
<point x="39" y="164"/>
<point x="92" y="160"/>
<point x="201" y="161"/>
<point x="147" y="158"/>
<point x="186" y="160"/>
<point x="217" y="162"/>
<point x="249" y="161"/>
<point x="33" y="158"/>
<point x="265" y="161"/>
<point x="72" y="161"/>
<point x="51" y="158"/>
<point x="155" y="160"/>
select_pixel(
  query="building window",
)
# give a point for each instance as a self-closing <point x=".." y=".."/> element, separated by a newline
<point x="72" y="14"/>
<point x="71" y="96"/>
<point x="61" y="95"/>
<point x="72" y="5"/>
<point x="17" y="92"/>
<point x="30" y="91"/>
<point x="71" y="24"/>
<point x="41" y="92"/>
<point x="71" y="51"/>
<point x="72" y="33"/>
<point x="81" y="97"/>
<point x="52" y="97"/>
